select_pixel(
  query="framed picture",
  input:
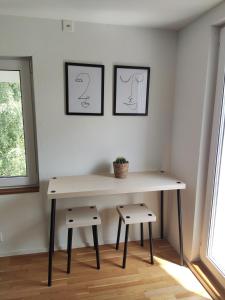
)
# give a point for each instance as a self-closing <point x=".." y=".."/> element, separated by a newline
<point x="131" y="90"/>
<point x="84" y="89"/>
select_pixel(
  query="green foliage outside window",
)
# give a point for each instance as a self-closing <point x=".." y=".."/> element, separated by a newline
<point x="12" y="149"/>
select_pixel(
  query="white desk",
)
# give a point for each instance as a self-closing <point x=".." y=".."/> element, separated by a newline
<point x="95" y="185"/>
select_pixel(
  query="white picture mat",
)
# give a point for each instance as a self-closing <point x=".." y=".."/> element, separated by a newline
<point x="131" y="90"/>
<point x="84" y="89"/>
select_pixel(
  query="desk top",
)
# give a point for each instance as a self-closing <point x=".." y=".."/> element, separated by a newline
<point x="107" y="184"/>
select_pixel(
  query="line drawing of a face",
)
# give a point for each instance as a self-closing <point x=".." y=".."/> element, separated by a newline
<point x="84" y="80"/>
<point x="134" y="81"/>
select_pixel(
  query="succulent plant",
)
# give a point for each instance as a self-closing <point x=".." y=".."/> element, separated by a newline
<point x="121" y="160"/>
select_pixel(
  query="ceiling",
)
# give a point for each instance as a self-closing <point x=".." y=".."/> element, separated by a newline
<point x="173" y="14"/>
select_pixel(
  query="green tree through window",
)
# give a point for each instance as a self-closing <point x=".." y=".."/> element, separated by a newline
<point x="12" y="148"/>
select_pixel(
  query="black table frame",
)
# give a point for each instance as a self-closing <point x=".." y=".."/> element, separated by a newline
<point x="52" y="230"/>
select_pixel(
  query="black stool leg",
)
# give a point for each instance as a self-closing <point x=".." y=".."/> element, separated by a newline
<point x="150" y="242"/>
<point x="142" y="235"/>
<point x="118" y="234"/>
<point x="125" y="246"/>
<point x="95" y="238"/>
<point x="69" y="248"/>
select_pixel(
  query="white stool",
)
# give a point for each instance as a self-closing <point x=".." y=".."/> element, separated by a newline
<point x="81" y="217"/>
<point x="133" y="214"/>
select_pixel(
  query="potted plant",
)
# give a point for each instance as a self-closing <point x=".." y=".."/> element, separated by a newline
<point x="120" y="166"/>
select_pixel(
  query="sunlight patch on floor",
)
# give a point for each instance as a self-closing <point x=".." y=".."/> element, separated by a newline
<point x="184" y="277"/>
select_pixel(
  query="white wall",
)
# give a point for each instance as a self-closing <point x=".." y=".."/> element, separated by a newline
<point x="193" y="109"/>
<point x="85" y="144"/>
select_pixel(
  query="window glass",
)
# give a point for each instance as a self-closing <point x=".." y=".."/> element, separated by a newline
<point x="12" y="146"/>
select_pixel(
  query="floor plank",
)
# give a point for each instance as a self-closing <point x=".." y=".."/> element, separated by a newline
<point x="25" y="277"/>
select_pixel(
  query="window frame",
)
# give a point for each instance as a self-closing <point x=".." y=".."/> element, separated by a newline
<point x="24" y="66"/>
<point x="214" y="160"/>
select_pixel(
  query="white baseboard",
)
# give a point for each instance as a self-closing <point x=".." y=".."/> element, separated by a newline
<point x="23" y="252"/>
<point x="44" y="250"/>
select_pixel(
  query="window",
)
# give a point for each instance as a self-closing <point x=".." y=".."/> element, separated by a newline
<point x="213" y="243"/>
<point x="17" y="139"/>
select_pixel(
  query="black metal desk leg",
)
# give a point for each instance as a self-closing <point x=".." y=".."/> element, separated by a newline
<point x="118" y="234"/>
<point x="51" y="241"/>
<point x="179" y="209"/>
<point x="162" y="213"/>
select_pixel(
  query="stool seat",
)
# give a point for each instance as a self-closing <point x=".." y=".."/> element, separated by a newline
<point x="82" y="216"/>
<point x="136" y="213"/>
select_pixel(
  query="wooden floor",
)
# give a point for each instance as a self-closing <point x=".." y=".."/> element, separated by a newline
<point x="25" y="277"/>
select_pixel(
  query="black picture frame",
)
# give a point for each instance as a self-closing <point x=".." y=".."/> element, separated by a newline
<point x="145" y="113"/>
<point x="67" y="82"/>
